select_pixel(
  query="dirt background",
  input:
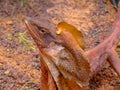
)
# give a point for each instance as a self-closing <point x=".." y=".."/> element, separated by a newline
<point x="19" y="56"/>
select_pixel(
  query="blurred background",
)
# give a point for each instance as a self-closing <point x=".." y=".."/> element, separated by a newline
<point x="19" y="56"/>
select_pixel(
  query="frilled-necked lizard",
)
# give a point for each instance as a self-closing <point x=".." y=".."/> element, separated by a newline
<point x="64" y="63"/>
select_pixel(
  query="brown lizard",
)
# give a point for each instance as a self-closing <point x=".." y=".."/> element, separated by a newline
<point x="67" y="69"/>
<point x="64" y="65"/>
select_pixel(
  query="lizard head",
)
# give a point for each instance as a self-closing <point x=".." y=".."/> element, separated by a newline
<point x="41" y="35"/>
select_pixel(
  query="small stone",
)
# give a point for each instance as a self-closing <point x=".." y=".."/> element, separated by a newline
<point x="6" y="72"/>
<point x="7" y="50"/>
<point x="10" y="22"/>
<point x="115" y="74"/>
<point x="1" y="64"/>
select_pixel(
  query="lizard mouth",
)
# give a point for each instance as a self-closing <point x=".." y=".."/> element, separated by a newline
<point x="34" y="32"/>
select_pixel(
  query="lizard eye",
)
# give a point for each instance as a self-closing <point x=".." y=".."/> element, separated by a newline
<point x="43" y="30"/>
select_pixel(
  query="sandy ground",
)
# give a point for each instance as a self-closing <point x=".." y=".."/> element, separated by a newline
<point x="19" y="56"/>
